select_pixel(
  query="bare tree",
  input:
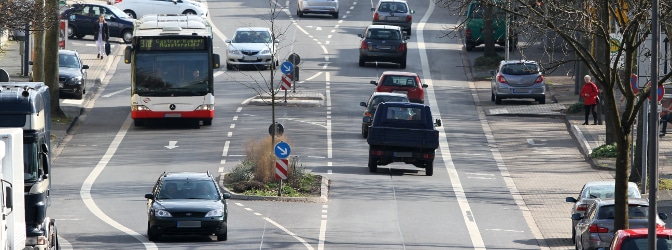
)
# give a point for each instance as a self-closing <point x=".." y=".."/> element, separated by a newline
<point x="267" y="85"/>
<point x="586" y="30"/>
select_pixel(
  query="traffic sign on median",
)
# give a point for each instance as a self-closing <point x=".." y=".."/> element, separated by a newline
<point x="282" y="150"/>
<point x="286" y="67"/>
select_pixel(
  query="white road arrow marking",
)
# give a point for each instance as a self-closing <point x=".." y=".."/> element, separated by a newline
<point x="171" y="145"/>
<point x="531" y="142"/>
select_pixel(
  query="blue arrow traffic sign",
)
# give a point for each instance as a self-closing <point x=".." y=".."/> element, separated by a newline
<point x="287" y="67"/>
<point x="282" y="150"/>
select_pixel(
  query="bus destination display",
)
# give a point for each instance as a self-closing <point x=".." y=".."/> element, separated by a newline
<point x="172" y="44"/>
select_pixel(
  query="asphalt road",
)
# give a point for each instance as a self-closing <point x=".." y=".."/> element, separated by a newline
<point x="492" y="187"/>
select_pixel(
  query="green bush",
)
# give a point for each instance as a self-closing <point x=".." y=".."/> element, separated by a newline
<point x="604" y="151"/>
<point x="575" y="108"/>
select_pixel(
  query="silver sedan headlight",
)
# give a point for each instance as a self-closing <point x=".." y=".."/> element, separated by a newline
<point x="234" y="51"/>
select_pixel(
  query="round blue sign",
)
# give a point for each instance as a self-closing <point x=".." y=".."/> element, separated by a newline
<point x="286" y="67"/>
<point x="282" y="150"/>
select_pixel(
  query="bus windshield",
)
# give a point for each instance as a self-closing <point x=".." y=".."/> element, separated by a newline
<point x="172" y="74"/>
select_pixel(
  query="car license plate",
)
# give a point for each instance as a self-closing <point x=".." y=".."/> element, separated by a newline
<point x="521" y="90"/>
<point x="399" y="91"/>
<point x="392" y="18"/>
<point x="173" y="115"/>
<point x="384" y="47"/>
<point x="249" y="58"/>
<point x="403" y="154"/>
<point x="188" y="224"/>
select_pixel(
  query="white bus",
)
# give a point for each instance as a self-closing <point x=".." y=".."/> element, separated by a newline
<point x="172" y="66"/>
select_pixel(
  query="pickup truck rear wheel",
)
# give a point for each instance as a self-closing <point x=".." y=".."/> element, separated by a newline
<point x="429" y="168"/>
<point x="373" y="165"/>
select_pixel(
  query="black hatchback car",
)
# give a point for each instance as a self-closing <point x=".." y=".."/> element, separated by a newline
<point x="186" y="203"/>
<point x="71" y="73"/>
<point x="82" y="18"/>
<point x="383" y="43"/>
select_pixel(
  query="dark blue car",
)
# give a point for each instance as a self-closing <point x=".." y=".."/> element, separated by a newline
<point x="82" y="18"/>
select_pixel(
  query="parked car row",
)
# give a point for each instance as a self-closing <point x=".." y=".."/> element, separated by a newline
<point x="593" y="215"/>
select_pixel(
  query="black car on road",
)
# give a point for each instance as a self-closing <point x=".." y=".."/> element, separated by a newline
<point x="82" y="18"/>
<point x="186" y="203"/>
<point x="71" y="73"/>
<point x="383" y="43"/>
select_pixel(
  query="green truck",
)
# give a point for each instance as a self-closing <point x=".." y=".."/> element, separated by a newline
<point x="473" y="27"/>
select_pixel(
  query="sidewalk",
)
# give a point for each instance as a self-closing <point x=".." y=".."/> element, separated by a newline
<point x="10" y="61"/>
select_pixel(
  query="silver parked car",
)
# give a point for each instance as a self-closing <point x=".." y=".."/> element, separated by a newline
<point x="518" y="79"/>
<point x="596" y="227"/>
<point x="393" y="12"/>
<point x="329" y="7"/>
<point x="597" y="190"/>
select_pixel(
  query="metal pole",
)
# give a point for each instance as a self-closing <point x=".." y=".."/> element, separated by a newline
<point x="26" y="51"/>
<point x="280" y="189"/>
<point x="653" y="127"/>
<point x="644" y="134"/>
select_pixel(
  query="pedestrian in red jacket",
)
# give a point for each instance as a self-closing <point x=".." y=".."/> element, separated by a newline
<point x="589" y="93"/>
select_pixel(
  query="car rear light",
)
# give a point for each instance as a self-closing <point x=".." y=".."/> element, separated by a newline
<point x="375" y="16"/>
<point x="367" y="114"/>
<point x="501" y="79"/>
<point x="117" y="1"/>
<point x="539" y="79"/>
<point x="377" y="152"/>
<point x="365" y="45"/>
<point x="402" y="47"/>
<point x="597" y="229"/>
<point x="409" y="18"/>
<point x="582" y="207"/>
<point x="467" y="33"/>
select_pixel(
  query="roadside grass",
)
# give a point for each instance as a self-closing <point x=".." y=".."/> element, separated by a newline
<point x="255" y="175"/>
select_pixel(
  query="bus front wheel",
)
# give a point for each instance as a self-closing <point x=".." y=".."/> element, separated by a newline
<point x="137" y="122"/>
<point x="207" y="122"/>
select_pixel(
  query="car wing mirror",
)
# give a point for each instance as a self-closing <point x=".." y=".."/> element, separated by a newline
<point x="276" y="40"/>
<point x="373" y="8"/>
<point x="412" y="11"/>
<point x="85" y="66"/>
<point x="360" y="35"/>
<point x="366" y="119"/>
<point x="437" y="122"/>
<point x="424" y="85"/>
<point x="226" y="196"/>
<point x="363" y="104"/>
<point x="227" y="41"/>
<point x="576" y="216"/>
<point x="374" y="82"/>
<point x="149" y="196"/>
<point x="492" y="72"/>
<point x="570" y="199"/>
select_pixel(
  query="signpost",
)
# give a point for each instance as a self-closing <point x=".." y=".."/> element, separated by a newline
<point x="281" y="150"/>
<point x="295" y="59"/>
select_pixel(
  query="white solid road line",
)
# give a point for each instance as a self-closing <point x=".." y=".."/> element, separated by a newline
<point x="469" y="220"/>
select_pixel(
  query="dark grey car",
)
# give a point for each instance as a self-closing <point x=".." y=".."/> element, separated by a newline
<point x="595" y="228"/>
<point x="71" y="73"/>
<point x="518" y="79"/>
<point x="383" y="43"/>
<point x="393" y="12"/>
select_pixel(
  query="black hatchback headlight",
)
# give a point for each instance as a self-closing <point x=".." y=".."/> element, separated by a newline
<point x="77" y="80"/>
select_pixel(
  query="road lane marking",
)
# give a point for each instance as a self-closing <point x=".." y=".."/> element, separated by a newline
<point x="472" y="227"/>
<point x="85" y="190"/>
<point x="116" y="92"/>
<point x="226" y="148"/>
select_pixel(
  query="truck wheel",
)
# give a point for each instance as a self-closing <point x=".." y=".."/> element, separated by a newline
<point x="429" y="168"/>
<point x="53" y="238"/>
<point x="373" y="165"/>
<point x="138" y="123"/>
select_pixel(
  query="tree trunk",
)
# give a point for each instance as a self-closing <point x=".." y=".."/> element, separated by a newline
<point x="488" y="36"/>
<point x="51" y="52"/>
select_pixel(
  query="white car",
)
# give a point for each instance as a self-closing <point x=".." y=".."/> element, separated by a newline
<point x="138" y="8"/>
<point x="253" y="46"/>
<point x="329" y="7"/>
